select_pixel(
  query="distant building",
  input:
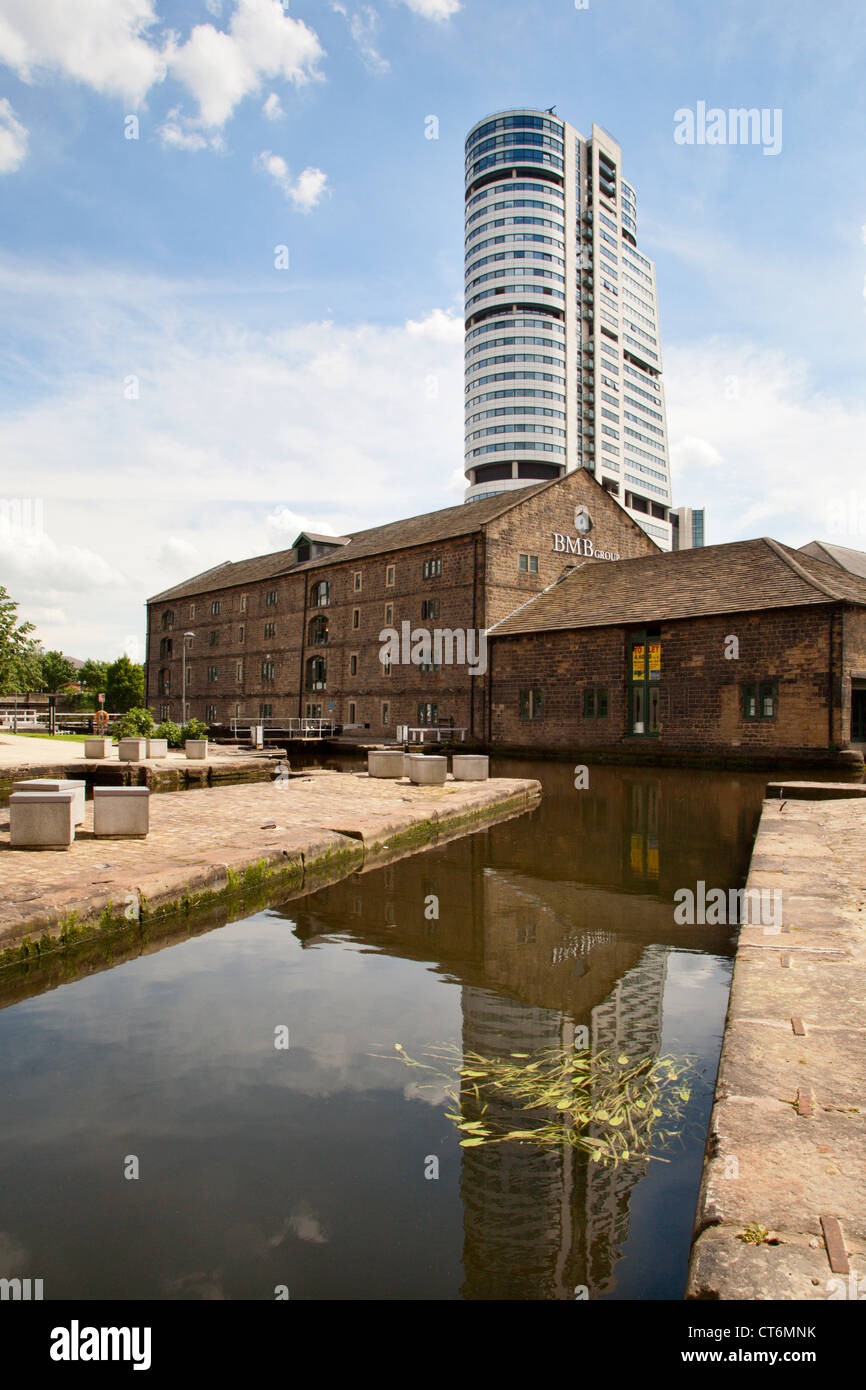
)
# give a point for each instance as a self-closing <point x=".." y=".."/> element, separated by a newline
<point x="563" y="354"/>
<point x="687" y="528"/>
<point x="854" y="561"/>
<point x="297" y="633"/>
<point x="750" y="649"/>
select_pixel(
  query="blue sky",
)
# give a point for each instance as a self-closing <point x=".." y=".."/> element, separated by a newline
<point x="175" y="400"/>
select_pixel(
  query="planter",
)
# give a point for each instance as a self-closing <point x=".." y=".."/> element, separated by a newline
<point x="121" y="812"/>
<point x="132" y="750"/>
<point x="157" y="747"/>
<point x="196" y="748"/>
<point x="424" y="771"/>
<point x="97" y="748"/>
<point x="63" y="784"/>
<point x="385" y="762"/>
<point x="470" y="767"/>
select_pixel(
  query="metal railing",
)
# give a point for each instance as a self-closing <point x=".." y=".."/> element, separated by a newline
<point x="407" y="733"/>
<point x="294" y="728"/>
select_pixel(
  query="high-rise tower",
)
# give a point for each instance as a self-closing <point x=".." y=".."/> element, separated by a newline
<point x="563" y="357"/>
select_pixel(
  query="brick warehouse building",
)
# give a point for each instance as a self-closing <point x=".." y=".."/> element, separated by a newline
<point x="296" y="633"/>
<point x="749" y="649"/>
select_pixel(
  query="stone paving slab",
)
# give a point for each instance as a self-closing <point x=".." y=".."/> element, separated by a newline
<point x="722" y="1268"/>
<point x="767" y="1163"/>
<point x="199" y="839"/>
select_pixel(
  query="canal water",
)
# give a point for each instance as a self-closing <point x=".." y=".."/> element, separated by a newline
<point x="160" y="1141"/>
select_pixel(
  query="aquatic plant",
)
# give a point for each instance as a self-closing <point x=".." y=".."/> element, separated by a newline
<point x="606" y="1104"/>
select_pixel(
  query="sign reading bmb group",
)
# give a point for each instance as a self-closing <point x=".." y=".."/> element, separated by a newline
<point x="581" y="544"/>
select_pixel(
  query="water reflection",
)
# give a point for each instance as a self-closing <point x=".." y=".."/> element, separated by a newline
<point x="307" y="1169"/>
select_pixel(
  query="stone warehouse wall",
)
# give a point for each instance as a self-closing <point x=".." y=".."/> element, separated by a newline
<point x="700" y="690"/>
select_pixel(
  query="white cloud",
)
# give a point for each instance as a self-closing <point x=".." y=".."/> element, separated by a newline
<point x="221" y="67"/>
<point x="363" y="23"/>
<point x="102" y="43"/>
<point x="242" y="419"/>
<point x="434" y="9"/>
<point x="178" y="132"/>
<point x="438" y="326"/>
<point x="286" y="525"/>
<point x="13" y="139"/>
<point x="108" y="46"/>
<point x="271" y="107"/>
<point x="38" y="563"/>
<point x="306" y="191"/>
<point x="761" y="448"/>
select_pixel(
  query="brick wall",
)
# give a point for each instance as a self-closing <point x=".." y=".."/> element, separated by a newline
<point x="700" y="690"/>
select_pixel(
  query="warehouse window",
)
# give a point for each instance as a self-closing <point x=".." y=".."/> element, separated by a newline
<point x="270" y="630"/>
<point x="759" y="700"/>
<point x="390" y="573"/>
<point x="529" y="564"/>
<point x="644" y="656"/>
<point x="320" y="594"/>
<point x="317" y="631"/>
<point x="530" y="704"/>
<point x="271" y="598"/>
<point x="353" y="666"/>
<point x="432" y="568"/>
<point x="265" y="711"/>
<point x="428" y="715"/>
<point x="216" y="607"/>
<point x="317" y="673"/>
<point x="595" y="702"/>
<point x="430" y="608"/>
<point x="269" y="671"/>
<point x="210" y="714"/>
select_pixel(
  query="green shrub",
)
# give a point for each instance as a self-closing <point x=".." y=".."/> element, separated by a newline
<point x="136" y="723"/>
<point x="194" y="728"/>
<point x="170" y="731"/>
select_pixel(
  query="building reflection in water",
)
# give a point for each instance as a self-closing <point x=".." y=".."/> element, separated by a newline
<point x="550" y="922"/>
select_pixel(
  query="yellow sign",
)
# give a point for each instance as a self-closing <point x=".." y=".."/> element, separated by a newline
<point x="655" y="660"/>
<point x="637" y="662"/>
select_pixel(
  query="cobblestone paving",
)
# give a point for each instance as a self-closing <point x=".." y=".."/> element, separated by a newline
<point x="195" y="835"/>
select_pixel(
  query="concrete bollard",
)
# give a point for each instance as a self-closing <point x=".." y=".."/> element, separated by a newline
<point x="385" y="762"/>
<point x="42" y="820"/>
<point x="132" y="750"/>
<point x="424" y="771"/>
<point x="97" y="748"/>
<point x="57" y="784"/>
<point x="196" y="748"/>
<point x="470" y="767"/>
<point x="121" y="812"/>
<point x="157" y="747"/>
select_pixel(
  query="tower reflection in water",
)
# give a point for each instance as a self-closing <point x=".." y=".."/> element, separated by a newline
<point x="552" y="922"/>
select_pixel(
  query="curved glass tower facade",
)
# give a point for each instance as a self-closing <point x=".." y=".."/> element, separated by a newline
<point x="563" y="359"/>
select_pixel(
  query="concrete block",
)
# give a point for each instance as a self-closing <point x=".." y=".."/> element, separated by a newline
<point x="42" y="820"/>
<point x="57" y="784"/>
<point x="157" y="747"/>
<point x="196" y="748"/>
<point x="385" y="762"/>
<point x="121" y="812"/>
<point x="97" y="748"/>
<point x="426" y="772"/>
<point x="132" y="750"/>
<point x="470" y="767"/>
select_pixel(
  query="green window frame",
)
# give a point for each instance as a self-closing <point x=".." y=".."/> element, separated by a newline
<point x="760" y="699"/>
<point x="643" y="676"/>
<point x="596" y="702"/>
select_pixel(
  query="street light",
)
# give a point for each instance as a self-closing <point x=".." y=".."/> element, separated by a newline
<point x="183" y="678"/>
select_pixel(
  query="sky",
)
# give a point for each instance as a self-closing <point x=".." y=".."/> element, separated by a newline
<point x="231" y="269"/>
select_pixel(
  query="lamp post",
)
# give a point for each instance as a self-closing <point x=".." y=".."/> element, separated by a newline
<point x="183" y="678"/>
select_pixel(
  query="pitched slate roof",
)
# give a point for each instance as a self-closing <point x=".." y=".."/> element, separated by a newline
<point x="394" y="535"/>
<point x="740" y="577"/>
<point x="852" y="560"/>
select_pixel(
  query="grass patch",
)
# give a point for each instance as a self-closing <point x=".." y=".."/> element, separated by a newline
<point x="43" y="733"/>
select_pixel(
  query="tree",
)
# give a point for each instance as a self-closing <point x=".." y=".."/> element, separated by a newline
<point x="20" y="657"/>
<point x="57" y="671"/>
<point x="93" y="674"/>
<point x="124" y="686"/>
